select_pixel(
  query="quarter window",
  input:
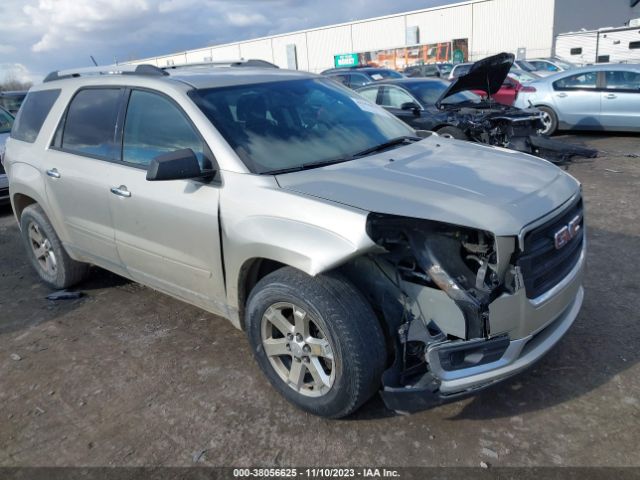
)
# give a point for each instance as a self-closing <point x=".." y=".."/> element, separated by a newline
<point x="91" y="123"/>
<point x="32" y="114"/>
<point x="154" y="126"/>
<point x="580" y="81"/>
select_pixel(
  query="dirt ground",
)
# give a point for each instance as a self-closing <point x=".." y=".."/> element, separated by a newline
<point x="128" y="376"/>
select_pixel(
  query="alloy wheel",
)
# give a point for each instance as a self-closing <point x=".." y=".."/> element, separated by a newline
<point x="42" y="249"/>
<point x="298" y="349"/>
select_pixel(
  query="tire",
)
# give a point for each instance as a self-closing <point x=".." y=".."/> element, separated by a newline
<point x="347" y="340"/>
<point x="550" y="121"/>
<point x="46" y="253"/>
<point x="452" y="132"/>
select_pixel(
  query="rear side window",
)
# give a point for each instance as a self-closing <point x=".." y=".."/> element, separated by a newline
<point x="32" y="114"/>
<point x="579" y="81"/>
<point x="622" y="81"/>
<point x="90" y="125"/>
<point x="155" y="126"/>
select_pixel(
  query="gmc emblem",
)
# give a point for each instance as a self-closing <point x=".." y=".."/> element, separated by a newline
<point x="566" y="233"/>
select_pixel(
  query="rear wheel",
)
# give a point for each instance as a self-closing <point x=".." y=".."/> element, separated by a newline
<point x="452" y="132"/>
<point x="45" y="251"/>
<point x="549" y="121"/>
<point x="317" y="340"/>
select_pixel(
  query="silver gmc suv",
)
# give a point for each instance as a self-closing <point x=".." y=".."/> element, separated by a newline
<point x="358" y="254"/>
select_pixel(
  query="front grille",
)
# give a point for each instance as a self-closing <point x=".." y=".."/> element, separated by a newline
<point x="543" y="265"/>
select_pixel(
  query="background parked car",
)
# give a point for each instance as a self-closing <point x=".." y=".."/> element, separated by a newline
<point x="510" y="88"/>
<point x="356" y="77"/>
<point x="551" y="64"/>
<point x="11" y="101"/>
<point x="459" y="70"/>
<point x="6" y="122"/>
<point x="439" y="70"/>
<point x="524" y="65"/>
<point x="453" y="110"/>
<point x="598" y="97"/>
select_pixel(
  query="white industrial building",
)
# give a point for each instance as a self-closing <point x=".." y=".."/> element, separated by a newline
<point x="528" y="28"/>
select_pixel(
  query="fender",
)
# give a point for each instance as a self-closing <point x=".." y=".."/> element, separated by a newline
<point x="308" y="233"/>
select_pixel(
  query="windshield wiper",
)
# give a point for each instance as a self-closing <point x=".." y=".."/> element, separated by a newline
<point x="310" y="165"/>
<point x="383" y="146"/>
<point x="323" y="163"/>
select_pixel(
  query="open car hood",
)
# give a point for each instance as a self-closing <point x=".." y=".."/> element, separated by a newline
<point x="486" y="75"/>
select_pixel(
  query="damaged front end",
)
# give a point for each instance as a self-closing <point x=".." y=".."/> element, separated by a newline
<point x="433" y="284"/>
<point x="458" y="311"/>
<point x="509" y="127"/>
<point x="500" y="125"/>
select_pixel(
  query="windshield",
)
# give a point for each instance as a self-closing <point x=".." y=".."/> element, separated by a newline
<point x="462" y="69"/>
<point x="526" y="66"/>
<point x="6" y="121"/>
<point x="563" y="64"/>
<point x="523" y="77"/>
<point x="289" y="124"/>
<point x="445" y="68"/>
<point x="429" y="92"/>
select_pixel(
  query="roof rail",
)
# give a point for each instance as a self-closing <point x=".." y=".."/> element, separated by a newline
<point x="252" y="62"/>
<point x="105" y="70"/>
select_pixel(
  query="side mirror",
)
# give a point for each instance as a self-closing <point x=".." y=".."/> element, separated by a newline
<point x="178" y="165"/>
<point x="413" y="106"/>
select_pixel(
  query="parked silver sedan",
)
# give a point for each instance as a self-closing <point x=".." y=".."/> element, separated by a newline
<point x="597" y="97"/>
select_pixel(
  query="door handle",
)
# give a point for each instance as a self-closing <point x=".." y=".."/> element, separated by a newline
<point x="53" y="173"/>
<point x="611" y="96"/>
<point x="562" y="95"/>
<point x="121" y="191"/>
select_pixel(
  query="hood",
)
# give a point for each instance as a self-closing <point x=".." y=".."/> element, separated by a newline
<point x="486" y="75"/>
<point x="444" y="180"/>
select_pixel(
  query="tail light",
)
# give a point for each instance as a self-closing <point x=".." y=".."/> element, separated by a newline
<point x="525" y="89"/>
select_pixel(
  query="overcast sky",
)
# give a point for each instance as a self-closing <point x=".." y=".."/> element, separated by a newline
<point x="37" y="36"/>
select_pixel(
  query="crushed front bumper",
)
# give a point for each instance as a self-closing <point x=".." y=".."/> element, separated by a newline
<point x="498" y="358"/>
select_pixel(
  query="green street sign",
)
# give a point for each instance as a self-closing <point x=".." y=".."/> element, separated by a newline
<point x="346" y="60"/>
<point x="458" y="56"/>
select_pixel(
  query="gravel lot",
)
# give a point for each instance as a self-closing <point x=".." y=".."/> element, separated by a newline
<point x="128" y="376"/>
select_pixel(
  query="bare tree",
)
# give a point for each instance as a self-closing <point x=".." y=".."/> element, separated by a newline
<point x="11" y="82"/>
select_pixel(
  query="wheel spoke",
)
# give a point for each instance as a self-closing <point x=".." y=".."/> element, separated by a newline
<point x="296" y="374"/>
<point x="35" y="234"/>
<point x="274" y="347"/>
<point x="320" y="348"/>
<point x="301" y="321"/>
<point x="320" y="378"/>
<point x="40" y="252"/>
<point x="279" y="321"/>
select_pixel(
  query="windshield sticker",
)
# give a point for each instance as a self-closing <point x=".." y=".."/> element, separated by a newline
<point x="376" y="76"/>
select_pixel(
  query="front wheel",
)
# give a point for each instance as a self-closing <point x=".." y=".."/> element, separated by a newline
<point x="317" y="340"/>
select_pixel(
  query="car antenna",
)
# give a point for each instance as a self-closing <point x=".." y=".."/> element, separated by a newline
<point x="489" y="90"/>
<point x="93" y="60"/>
